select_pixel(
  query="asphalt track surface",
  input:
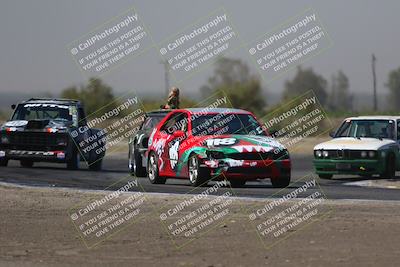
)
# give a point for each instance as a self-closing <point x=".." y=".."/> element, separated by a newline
<point x="115" y="174"/>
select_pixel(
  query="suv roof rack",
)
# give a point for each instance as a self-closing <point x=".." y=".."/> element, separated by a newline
<point x="52" y="99"/>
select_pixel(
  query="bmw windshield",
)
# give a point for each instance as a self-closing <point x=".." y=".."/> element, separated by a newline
<point x="367" y="128"/>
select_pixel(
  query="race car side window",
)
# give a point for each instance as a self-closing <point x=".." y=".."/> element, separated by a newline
<point x="167" y="126"/>
<point x="177" y="121"/>
<point x="146" y="123"/>
<point x="398" y="129"/>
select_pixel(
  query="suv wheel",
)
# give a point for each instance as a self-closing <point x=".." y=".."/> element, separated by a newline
<point x="73" y="162"/>
<point x="26" y="163"/>
<point x="96" y="166"/>
<point x="3" y="162"/>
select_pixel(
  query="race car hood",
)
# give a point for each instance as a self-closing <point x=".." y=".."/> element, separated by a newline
<point x="241" y="143"/>
<point x="35" y="125"/>
<point x="355" y="143"/>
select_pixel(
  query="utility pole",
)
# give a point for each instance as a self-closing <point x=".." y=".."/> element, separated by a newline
<point x="166" y="76"/>
<point x="374" y="82"/>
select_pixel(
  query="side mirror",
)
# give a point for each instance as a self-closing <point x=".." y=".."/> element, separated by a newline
<point x="178" y="133"/>
<point x="332" y="134"/>
<point x="13" y="106"/>
<point x="273" y="133"/>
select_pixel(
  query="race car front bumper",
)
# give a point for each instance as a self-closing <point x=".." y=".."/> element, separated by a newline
<point x="349" y="166"/>
<point x="247" y="169"/>
<point x="59" y="156"/>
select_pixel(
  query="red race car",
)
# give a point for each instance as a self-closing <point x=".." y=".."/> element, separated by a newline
<point x="202" y="144"/>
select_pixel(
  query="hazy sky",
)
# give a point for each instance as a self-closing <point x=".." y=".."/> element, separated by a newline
<point x="34" y="35"/>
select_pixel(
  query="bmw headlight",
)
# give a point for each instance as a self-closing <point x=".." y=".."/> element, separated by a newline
<point x="325" y="154"/>
<point x="318" y="153"/>
<point x="363" y="154"/>
<point x="371" y="154"/>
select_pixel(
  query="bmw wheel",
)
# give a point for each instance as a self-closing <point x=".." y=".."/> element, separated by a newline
<point x="390" y="169"/>
<point x="325" y="176"/>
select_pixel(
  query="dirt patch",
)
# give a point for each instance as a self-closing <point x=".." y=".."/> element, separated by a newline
<point x="36" y="230"/>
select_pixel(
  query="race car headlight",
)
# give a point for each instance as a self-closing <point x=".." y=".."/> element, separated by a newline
<point x="371" y="154"/>
<point x="363" y="154"/>
<point x="215" y="154"/>
<point x="318" y="153"/>
<point x="325" y="154"/>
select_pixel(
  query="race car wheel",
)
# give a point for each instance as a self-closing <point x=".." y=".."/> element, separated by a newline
<point x="26" y="163"/>
<point x="3" y="162"/>
<point x="325" y="176"/>
<point x="152" y="167"/>
<point x="73" y="162"/>
<point x="237" y="183"/>
<point x="135" y="163"/>
<point x="280" y="182"/>
<point x="96" y="166"/>
<point x="197" y="176"/>
<point x="390" y="170"/>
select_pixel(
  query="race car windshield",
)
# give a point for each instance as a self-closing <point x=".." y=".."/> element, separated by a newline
<point x="367" y="128"/>
<point x="226" y="123"/>
<point x="44" y="112"/>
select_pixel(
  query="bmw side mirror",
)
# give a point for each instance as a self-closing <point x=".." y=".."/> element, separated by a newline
<point x="332" y="134"/>
<point x="13" y="106"/>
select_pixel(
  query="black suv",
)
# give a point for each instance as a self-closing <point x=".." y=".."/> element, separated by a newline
<point x="49" y="130"/>
<point x="138" y="143"/>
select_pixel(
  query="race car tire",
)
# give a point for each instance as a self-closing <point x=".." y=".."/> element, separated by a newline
<point x="153" y="173"/>
<point x="280" y="182"/>
<point x="96" y="166"/>
<point x="3" y="162"/>
<point x="197" y="176"/>
<point x="390" y="170"/>
<point x="325" y="176"/>
<point x="237" y="183"/>
<point x="73" y="161"/>
<point x="135" y="169"/>
<point x="26" y="163"/>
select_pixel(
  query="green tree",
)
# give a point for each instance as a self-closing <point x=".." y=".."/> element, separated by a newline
<point x="393" y="84"/>
<point x="232" y="78"/>
<point x="94" y="95"/>
<point x="340" y="98"/>
<point x="304" y="81"/>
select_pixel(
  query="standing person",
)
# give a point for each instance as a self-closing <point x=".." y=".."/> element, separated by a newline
<point x="173" y="99"/>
